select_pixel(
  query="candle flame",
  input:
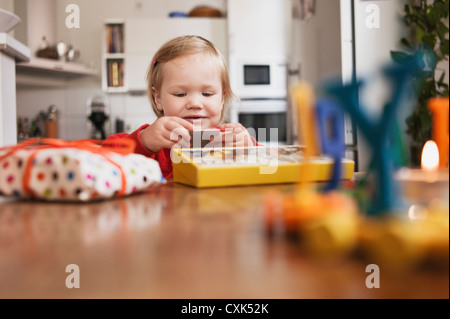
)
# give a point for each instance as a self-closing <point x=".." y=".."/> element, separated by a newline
<point x="430" y="156"/>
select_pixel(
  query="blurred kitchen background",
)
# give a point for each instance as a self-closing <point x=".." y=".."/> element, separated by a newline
<point x="98" y="86"/>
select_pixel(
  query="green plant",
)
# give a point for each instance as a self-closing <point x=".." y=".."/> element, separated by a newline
<point x="428" y="25"/>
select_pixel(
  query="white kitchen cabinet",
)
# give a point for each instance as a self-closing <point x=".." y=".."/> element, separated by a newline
<point x="259" y="27"/>
<point x="11" y="51"/>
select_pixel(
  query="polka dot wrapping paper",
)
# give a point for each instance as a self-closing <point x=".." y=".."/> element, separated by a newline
<point x="54" y="170"/>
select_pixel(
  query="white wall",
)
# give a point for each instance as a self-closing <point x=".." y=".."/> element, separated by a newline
<point x="8" y="5"/>
<point x="373" y="46"/>
<point x="38" y="20"/>
<point x="72" y="99"/>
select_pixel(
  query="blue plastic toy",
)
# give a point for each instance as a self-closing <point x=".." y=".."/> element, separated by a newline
<point x="379" y="132"/>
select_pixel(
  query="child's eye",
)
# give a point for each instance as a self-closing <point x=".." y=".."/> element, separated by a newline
<point x="180" y="94"/>
<point x="208" y="94"/>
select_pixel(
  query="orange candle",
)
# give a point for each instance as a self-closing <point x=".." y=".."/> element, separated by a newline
<point x="303" y="95"/>
<point x="439" y="109"/>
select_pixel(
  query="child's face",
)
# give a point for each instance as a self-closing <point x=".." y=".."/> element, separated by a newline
<point x="192" y="89"/>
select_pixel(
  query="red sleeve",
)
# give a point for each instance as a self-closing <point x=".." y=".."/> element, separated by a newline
<point x="135" y="136"/>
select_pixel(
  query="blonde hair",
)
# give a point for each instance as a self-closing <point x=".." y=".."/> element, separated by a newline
<point x="180" y="46"/>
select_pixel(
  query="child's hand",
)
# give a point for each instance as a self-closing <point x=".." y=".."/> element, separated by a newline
<point x="165" y="132"/>
<point x="234" y="135"/>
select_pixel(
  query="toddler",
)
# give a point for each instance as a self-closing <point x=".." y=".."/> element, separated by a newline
<point x="189" y="88"/>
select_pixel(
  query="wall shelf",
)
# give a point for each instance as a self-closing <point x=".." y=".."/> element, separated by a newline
<point x="114" y="58"/>
<point x="54" y="68"/>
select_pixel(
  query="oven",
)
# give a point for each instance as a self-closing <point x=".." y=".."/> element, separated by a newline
<point x="265" y="119"/>
<point x="260" y="83"/>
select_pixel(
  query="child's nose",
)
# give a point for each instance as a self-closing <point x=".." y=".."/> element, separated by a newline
<point x="194" y="101"/>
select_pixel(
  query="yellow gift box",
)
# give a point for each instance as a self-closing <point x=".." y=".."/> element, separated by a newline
<point x="226" y="166"/>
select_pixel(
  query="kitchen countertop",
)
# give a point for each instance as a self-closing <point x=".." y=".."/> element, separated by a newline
<point x="178" y="242"/>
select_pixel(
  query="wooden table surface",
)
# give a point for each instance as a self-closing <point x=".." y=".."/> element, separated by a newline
<point x="178" y="242"/>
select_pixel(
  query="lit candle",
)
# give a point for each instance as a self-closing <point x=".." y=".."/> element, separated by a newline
<point x="427" y="183"/>
<point x="430" y="160"/>
<point x="439" y="109"/>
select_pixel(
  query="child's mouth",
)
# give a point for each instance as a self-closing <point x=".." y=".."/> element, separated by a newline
<point x="193" y="119"/>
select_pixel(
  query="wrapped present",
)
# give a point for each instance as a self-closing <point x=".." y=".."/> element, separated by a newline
<point x="82" y="170"/>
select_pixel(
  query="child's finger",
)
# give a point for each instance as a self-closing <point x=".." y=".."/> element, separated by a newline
<point x="223" y="136"/>
<point x="235" y="127"/>
<point x="175" y="131"/>
<point x="184" y="123"/>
